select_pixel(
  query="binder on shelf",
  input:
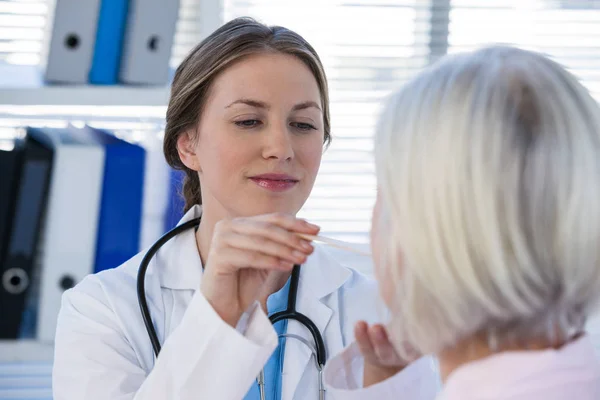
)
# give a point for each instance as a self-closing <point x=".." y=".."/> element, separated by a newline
<point x="70" y="226"/>
<point x="10" y="162"/>
<point x="176" y="202"/>
<point x="147" y="46"/>
<point x="119" y="224"/>
<point x="72" y="34"/>
<point x="109" y="42"/>
<point x="27" y="214"/>
<point x="156" y="190"/>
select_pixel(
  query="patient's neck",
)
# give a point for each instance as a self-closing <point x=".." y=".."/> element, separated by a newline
<point x="477" y="347"/>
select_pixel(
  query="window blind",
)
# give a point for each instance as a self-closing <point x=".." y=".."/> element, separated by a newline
<point x="568" y="31"/>
<point x="368" y="47"/>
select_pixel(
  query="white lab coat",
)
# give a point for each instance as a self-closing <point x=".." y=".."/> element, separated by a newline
<point x="343" y="379"/>
<point x="102" y="350"/>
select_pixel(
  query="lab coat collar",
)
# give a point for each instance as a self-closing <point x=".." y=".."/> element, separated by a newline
<point x="320" y="278"/>
<point x="322" y="275"/>
<point x="181" y="267"/>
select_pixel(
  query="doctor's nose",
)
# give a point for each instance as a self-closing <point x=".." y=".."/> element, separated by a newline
<point x="277" y="144"/>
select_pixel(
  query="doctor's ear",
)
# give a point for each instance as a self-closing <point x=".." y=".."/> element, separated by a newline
<point x="186" y="147"/>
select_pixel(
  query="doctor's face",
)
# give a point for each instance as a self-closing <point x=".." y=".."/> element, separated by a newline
<point x="258" y="145"/>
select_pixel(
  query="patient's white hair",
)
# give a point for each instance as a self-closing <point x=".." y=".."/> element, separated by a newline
<point x="488" y="165"/>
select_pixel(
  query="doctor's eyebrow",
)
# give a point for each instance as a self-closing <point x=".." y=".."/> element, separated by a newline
<point x="306" y="104"/>
<point x="251" y="103"/>
<point x="261" y="104"/>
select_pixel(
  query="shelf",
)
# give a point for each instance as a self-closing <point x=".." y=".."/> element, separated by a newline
<point x="25" y="351"/>
<point x="23" y="86"/>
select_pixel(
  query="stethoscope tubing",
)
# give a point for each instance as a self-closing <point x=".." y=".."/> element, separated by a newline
<point x="289" y="313"/>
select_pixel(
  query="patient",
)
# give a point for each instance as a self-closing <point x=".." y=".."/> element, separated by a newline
<point x="488" y="226"/>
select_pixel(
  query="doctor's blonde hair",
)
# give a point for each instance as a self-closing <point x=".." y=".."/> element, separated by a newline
<point x="488" y="165"/>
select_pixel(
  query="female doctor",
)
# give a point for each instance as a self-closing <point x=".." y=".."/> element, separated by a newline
<point x="247" y="121"/>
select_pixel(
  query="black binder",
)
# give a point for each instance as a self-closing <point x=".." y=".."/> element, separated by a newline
<point x="32" y="181"/>
<point x="10" y="163"/>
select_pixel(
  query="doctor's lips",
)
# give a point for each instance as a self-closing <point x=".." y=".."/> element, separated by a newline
<point x="275" y="182"/>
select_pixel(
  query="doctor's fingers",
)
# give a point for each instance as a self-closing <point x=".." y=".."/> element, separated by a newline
<point x="291" y="223"/>
<point x="263" y="230"/>
<point x="287" y="222"/>
<point x="261" y="245"/>
<point x="237" y="259"/>
<point x="266" y="245"/>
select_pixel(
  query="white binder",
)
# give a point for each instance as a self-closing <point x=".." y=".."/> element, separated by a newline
<point x="70" y="227"/>
<point x="149" y="36"/>
<point x="156" y="191"/>
<point x="71" y="36"/>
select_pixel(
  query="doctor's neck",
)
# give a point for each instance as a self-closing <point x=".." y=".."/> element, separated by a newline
<point x="204" y="235"/>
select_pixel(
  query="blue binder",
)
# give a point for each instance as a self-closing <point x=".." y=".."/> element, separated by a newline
<point x="121" y="201"/>
<point x="109" y="42"/>
<point x="175" y="203"/>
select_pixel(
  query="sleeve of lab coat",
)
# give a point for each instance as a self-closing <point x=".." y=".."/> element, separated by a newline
<point x="203" y="358"/>
<point x="343" y="379"/>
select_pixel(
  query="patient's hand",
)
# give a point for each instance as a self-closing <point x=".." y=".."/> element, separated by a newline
<point x="381" y="360"/>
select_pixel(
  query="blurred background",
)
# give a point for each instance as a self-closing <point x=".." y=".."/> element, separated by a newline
<point x="368" y="47"/>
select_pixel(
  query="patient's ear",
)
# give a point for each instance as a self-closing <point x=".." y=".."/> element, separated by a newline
<point x="186" y="147"/>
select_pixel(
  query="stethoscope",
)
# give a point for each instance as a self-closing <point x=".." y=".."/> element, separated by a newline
<point x="318" y="350"/>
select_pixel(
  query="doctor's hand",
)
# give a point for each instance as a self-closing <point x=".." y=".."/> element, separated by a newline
<point x="243" y="252"/>
<point x="381" y="359"/>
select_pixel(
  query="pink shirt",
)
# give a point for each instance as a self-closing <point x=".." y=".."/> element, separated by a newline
<point x="570" y="373"/>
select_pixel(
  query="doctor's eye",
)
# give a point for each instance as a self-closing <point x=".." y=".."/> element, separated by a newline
<point x="303" y="126"/>
<point x="248" y="123"/>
